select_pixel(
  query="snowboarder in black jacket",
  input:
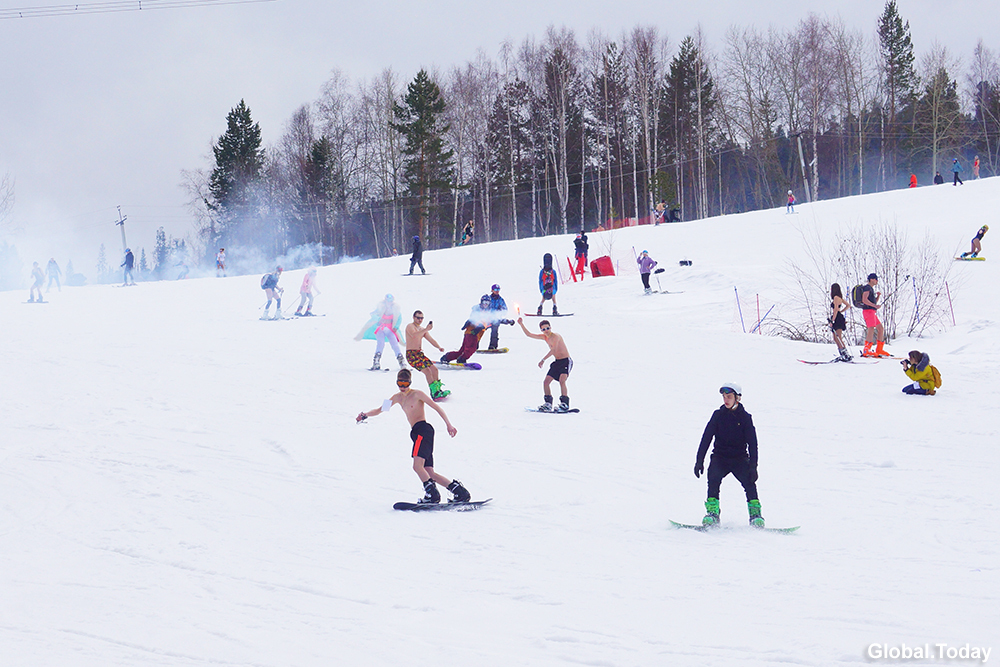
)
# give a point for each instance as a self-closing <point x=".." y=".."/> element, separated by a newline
<point x="417" y="257"/>
<point x="735" y="452"/>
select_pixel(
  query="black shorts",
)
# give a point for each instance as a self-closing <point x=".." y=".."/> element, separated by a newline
<point x="422" y="435"/>
<point x="839" y="323"/>
<point x="560" y="366"/>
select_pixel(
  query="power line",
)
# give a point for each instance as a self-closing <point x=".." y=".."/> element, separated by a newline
<point x="114" y="6"/>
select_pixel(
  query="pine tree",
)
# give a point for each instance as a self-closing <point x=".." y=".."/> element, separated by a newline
<point x="103" y="269"/>
<point x="898" y="74"/>
<point x="428" y="168"/>
<point x="161" y="253"/>
<point x="143" y="264"/>
<point x="239" y="163"/>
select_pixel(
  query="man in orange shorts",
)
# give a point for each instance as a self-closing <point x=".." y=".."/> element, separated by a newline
<point x="415" y="334"/>
<point x="873" y="327"/>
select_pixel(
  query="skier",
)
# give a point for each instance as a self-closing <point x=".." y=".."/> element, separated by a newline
<point x="917" y="367"/>
<point x="975" y="169"/>
<point x="548" y="284"/>
<point x="977" y="245"/>
<point x="467" y="232"/>
<point x="480" y="318"/>
<point x="52" y="269"/>
<point x="646" y="264"/>
<point x="735" y="451"/>
<point x="938" y="178"/>
<point x="129" y="263"/>
<point x="873" y="326"/>
<point x="956" y="167"/>
<point x="559" y="369"/>
<point x="790" y="207"/>
<point x="382" y="326"/>
<point x="415" y="335"/>
<point x="838" y="324"/>
<point x="660" y="213"/>
<point x="220" y="263"/>
<point x="305" y="292"/>
<point x="497" y="305"/>
<point x="36" y="273"/>
<point x="581" y="248"/>
<point x="422" y="434"/>
<point x="913" y="180"/>
<point x="417" y="258"/>
<point x="269" y="283"/>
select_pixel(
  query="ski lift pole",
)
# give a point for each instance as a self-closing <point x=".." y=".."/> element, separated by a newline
<point x="121" y="223"/>
<point x="739" y="308"/>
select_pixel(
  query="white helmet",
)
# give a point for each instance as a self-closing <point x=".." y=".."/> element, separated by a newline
<point x="789" y="192"/>
<point x="731" y="386"/>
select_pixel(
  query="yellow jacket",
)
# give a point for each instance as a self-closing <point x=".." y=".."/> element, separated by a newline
<point x="922" y="373"/>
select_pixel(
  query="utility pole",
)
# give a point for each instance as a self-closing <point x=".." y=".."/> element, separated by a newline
<point x="802" y="162"/>
<point x="121" y="223"/>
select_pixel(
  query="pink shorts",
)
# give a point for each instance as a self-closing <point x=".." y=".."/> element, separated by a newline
<point x="871" y="317"/>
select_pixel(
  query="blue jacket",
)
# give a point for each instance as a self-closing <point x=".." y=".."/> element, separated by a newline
<point x="497" y="303"/>
<point x="956" y="167"/>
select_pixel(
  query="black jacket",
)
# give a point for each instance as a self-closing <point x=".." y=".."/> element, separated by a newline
<point x="418" y="250"/>
<point x="735" y="436"/>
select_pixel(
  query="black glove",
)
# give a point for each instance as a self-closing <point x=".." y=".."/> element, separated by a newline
<point x="510" y="322"/>
<point x="699" y="468"/>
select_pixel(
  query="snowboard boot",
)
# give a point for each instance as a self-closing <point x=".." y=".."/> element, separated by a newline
<point x="431" y="494"/>
<point x="461" y="493"/>
<point x="401" y="360"/>
<point x="964" y="255"/>
<point x="555" y="311"/>
<point x="32" y="299"/>
<point x="437" y="391"/>
<point x="547" y="405"/>
<point x="879" y="351"/>
<point x="375" y="362"/>
<point x="756" y="520"/>
<point x="868" y="351"/>
<point x="563" y="404"/>
<point x="711" y="513"/>
<point x="539" y="311"/>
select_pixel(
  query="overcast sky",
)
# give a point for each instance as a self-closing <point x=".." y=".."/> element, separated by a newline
<point x="102" y="110"/>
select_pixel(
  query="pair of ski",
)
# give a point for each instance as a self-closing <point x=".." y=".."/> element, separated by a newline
<point x="468" y="506"/>
<point x="655" y="291"/>
<point x="711" y="529"/>
<point x="838" y="360"/>
<point x="539" y="315"/>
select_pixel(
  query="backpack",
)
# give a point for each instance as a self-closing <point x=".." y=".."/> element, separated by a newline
<point x="548" y="278"/>
<point x="263" y="280"/>
<point x="937" y="376"/>
<point x="857" y="294"/>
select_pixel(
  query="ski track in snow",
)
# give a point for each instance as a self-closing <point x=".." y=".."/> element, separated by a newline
<point x="182" y="484"/>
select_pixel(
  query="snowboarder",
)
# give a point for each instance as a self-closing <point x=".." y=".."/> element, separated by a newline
<point x="548" y="284"/>
<point x="917" y="367"/>
<point x="646" y="265"/>
<point x="913" y="180"/>
<point x="128" y="264"/>
<point x="790" y="207"/>
<point x="382" y="326"/>
<point x="220" y="263"/>
<point x="559" y="369"/>
<point x="497" y="305"/>
<point x="467" y="232"/>
<point x="305" y="292"/>
<point x="873" y="326"/>
<point x="417" y="258"/>
<point x="938" y="178"/>
<point x="52" y="269"/>
<point x="955" y="168"/>
<point x="735" y="451"/>
<point x="269" y="283"/>
<point x="581" y="248"/>
<point x="480" y="318"/>
<point x="39" y="277"/>
<point x="977" y="242"/>
<point x="838" y="324"/>
<point x="415" y="335"/>
<point x="422" y="434"/>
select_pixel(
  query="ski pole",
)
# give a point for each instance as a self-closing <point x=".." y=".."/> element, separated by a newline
<point x="740" y="308"/>
<point x="758" y="314"/>
<point x="952" y="307"/>
<point x="757" y="328"/>
<point x="657" y="275"/>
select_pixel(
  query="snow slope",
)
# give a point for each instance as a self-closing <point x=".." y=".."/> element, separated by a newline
<point x="182" y="484"/>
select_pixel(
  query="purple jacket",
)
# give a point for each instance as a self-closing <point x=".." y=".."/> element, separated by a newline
<point x="646" y="263"/>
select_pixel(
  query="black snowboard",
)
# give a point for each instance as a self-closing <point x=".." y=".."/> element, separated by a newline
<point x="441" y="507"/>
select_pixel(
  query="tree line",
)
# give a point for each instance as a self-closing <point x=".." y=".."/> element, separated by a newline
<point x="560" y="134"/>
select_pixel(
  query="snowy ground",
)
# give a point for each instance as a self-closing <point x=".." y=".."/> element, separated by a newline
<point x="182" y="484"/>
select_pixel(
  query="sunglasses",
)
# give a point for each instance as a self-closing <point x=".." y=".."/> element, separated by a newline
<point x="546" y="328"/>
<point x="418" y="317"/>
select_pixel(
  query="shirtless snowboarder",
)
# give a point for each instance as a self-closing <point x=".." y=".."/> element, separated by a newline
<point x="415" y="335"/>
<point x="422" y="434"/>
<point x="559" y="369"/>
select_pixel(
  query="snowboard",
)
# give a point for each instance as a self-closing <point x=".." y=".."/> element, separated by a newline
<point x="559" y="315"/>
<point x="34" y="302"/>
<point x="385" y="370"/>
<point x="971" y="259"/>
<point x="499" y="350"/>
<point x="441" y="507"/>
<point x="554" y="412"/>
<point x="705" y="529"/>
<point x="855" y="360"/>
<point x="470" y="365"/>
<point x="416" y="274"/>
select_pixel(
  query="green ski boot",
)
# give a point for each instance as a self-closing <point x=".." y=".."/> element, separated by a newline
<point x="756" y="520"/>
<point x="711" y="513"/>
